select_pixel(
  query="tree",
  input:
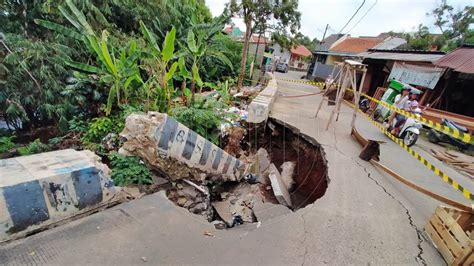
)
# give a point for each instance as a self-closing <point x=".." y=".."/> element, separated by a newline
<point x="451" y="23"/>
<point x="283" y="12"/>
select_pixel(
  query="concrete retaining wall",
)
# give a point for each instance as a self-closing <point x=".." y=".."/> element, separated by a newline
<point x="40" y="189"/>
<point x="259" y="108"/>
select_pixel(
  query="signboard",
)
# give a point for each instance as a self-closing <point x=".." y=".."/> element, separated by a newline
<point x="416" y="75"/>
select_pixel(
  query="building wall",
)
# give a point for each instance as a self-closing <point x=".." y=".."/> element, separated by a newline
<point x="331" y="59"/>
<point x="253" y="49"/>
<point x="284" y="55"/>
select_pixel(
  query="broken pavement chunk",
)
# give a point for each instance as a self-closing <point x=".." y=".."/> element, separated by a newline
<point x="167" y="145"/>
<point x="279" y="188"/>
<point x="287" y="170"/>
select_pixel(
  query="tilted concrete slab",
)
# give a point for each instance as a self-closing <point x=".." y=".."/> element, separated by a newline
<point x="259" y="108"/>
<point x="40" y="189"/>
<point x="165" y="144"/>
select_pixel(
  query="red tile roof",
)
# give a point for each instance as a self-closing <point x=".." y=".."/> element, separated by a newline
<point x="460" y="60"/>
<point x="352" y="45"/>
<point x="301" y="50"/>
<point x="255" y="39"/>
<point x="228" y="29"/>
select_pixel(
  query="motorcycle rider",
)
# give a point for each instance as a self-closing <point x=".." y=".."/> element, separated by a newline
<point x="411" y="105"/>
<point x="400" y="101"/>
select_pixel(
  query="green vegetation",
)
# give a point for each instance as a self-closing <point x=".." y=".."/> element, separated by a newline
<point x="127" y="170"/>
<point x="34" y="147"/>
<point x="6" y="143"/>
<point x="204" y="116"/>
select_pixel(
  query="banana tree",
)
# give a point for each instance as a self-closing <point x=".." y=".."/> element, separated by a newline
<point x="158" y="64"/>
<point x="116" y="70"/>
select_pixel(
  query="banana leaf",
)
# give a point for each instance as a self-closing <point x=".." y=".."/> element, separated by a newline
<point x="168" y="45"/>
<point x="59" y="28"/>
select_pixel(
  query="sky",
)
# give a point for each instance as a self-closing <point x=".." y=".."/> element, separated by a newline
<point x="385" y="15"/>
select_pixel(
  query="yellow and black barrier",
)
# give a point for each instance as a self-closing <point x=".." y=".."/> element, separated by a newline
<point x="466" y="193"/>
<point x="314" y="83"/>
<point x="465" y="137"/>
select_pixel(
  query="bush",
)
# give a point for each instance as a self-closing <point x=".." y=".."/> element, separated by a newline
<point x="97" y="129"/>
<point x="34" y="147"/>
<point x="6" y="143"/>
<point x="128" y="170"/>
<point x="203" y="116"/>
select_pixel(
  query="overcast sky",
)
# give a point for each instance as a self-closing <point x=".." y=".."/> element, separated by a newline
<point x="386" y="15"/>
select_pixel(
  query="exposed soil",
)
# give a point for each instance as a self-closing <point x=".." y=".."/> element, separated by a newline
<point x="311" y="172"/>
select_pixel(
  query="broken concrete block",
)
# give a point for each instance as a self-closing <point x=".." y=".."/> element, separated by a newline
<point x="200" y="207"/>
<point x="287" y="169"/>
<point x="263" y="160"/>
<point x="167" y="145"/>
<point x="40" y="189"/>
<point x="279" y="188"/>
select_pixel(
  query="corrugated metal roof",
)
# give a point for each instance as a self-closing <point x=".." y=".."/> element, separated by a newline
<point x="410" y="57"/>
<point x="460" y="60"/>
<point x="390" y="43"/>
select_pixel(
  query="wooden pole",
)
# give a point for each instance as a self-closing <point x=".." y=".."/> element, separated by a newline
<point x="357" y="96"/>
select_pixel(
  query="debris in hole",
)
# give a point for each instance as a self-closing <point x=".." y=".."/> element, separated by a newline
<point x="236" y="134"/>
<point x="287" y="169"/>
<point x="279" y="188"/>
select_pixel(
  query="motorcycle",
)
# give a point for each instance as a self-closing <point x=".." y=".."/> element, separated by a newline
<point x="364" y="104"/>
<point x="435" y="136"/>
<point x="410" y="130"/>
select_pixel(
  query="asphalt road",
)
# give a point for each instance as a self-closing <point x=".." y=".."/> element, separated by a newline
<point x="365" y="216"/>
<point x="395" y="157"/>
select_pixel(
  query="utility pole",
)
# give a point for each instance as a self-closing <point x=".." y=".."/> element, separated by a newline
<point x="324" y="35"/>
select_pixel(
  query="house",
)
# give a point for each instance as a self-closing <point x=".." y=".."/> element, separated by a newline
<point x="317" y="68"/>
<point x="257" y="44"/>
<point x="234" y="32"/>
<point x="299" y="56"/>
<point x="413" y="67"/>
<point x="456" y="93"/>
<point x="345" y="47"/>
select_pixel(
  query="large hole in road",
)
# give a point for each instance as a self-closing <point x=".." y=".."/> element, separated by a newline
<point x="255" y="198"/>
<point x="284" y="144"/>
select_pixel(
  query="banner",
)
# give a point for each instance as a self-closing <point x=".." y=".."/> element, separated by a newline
<point x="416" y="75"/>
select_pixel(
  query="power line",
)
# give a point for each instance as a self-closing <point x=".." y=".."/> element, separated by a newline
<point x="363" y="2"/>
<point x="368" y="10"/>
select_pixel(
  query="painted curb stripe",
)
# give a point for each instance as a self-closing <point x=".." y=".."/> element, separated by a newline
<point x="190" y="144"/>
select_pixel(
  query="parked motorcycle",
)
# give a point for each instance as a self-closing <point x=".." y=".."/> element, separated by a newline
<point x="410" y="130"/>
<point x="364" y="104"/>
<point x="435" y="136"/>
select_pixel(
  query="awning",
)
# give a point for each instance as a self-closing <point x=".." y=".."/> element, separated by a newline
<point x="416" y="75"/>
<point x="409" y="57"/>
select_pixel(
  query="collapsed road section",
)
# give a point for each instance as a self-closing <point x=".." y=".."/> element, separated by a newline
<point x="284" y="168"/>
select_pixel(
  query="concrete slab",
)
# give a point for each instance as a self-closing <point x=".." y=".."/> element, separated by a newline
<point x="40" y="189"/>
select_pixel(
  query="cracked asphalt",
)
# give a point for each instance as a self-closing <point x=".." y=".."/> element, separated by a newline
<point x="365" y="217"/>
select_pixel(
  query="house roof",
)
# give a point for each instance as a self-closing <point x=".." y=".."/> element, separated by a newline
<point x="255" y="39"/>
<point x="328" y="42"/>
<point x="352" y="45"/>
<point x="402" y="55"/>
<point x="301" y="50"/>
<point x="460" y="60"/>
<point x="390" y="43"/>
